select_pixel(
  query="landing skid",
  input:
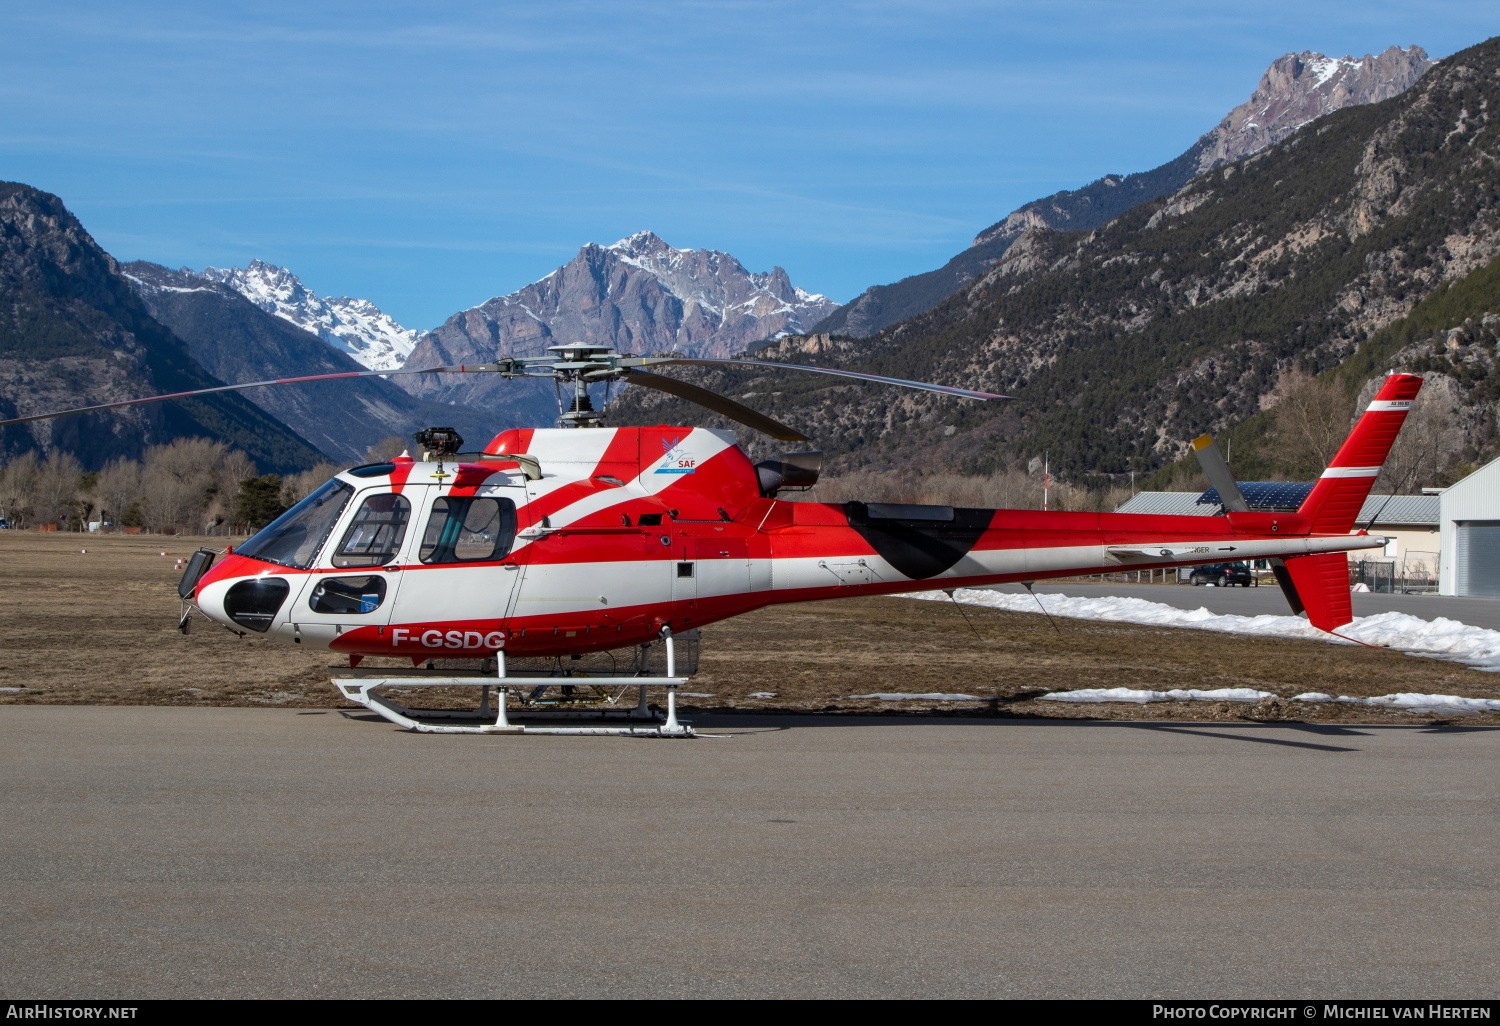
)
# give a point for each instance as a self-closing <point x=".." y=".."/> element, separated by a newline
<point x="500" y="719"/>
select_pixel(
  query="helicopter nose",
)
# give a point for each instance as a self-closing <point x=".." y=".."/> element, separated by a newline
<point x="246" y="603"/>
<point x="209" y="599"/>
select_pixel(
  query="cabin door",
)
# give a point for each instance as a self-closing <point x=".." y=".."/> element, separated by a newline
<point x="457" y="578"/>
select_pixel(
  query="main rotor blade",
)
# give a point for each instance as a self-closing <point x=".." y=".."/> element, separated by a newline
<point x="967" y="393"/>
<point x="716" y="402"/>
<point x="1219" y="475"/>
<point x="225" y="388"/>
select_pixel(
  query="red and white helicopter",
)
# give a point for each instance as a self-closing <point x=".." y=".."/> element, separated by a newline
<point x="555" y="543"/>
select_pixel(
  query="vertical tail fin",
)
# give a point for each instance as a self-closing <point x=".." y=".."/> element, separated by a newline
<point x="1321" y="582"/>
<point x="1335" y="501"/>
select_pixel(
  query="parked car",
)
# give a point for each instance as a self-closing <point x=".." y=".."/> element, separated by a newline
<point x="1222" y="575"/>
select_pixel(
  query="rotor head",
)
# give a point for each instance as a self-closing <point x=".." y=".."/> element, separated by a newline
<point x="438" y="442"/>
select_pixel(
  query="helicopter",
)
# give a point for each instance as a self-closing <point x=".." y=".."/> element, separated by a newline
<point x="553" y="543"/>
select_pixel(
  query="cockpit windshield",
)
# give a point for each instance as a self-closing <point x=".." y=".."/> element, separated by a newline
<point x="294" y="538"/>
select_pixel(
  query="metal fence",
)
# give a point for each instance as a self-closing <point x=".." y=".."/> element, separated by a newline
<point x="1375" y="575"/>
<point x="1415" y="573"/>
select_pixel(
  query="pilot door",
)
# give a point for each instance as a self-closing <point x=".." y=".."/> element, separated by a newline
<point x="457" y="576"/>
<point x="356" y="579"/>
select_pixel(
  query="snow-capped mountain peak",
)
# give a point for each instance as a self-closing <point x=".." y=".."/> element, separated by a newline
<point x="638" y="295"/>
<point x="643" y="242"/>
<point x="716" y="281"/>
<point x="355" y="326"/>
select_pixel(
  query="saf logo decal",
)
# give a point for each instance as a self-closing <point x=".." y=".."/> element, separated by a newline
<point x="676" y="460"/>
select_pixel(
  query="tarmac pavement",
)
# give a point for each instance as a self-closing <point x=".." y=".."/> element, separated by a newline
<point x="172" y="852"/>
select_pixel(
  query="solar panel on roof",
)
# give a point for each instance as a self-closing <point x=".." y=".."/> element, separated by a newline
<point x="1266" y="496"/>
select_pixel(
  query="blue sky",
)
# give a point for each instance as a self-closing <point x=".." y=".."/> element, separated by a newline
<point x="429" y="156"/>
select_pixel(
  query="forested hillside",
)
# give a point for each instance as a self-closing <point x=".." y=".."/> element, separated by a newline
<point x="1186" y="314"/>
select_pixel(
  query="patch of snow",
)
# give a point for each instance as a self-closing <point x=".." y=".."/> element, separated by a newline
<point x="1142" y="697"/>
<point x="695" y="694"/>
<point x="935" y="696"/>
<point x="1439" y="638"/>
<point x="1451" y="705"/>
<point x="1411" y="702"/>
<point x="762" y="694"/>
<point x="163" y="288"/>
<point x="1324" y="68"/>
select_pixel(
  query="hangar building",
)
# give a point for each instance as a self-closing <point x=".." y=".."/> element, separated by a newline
<point x="1470" y="562"/>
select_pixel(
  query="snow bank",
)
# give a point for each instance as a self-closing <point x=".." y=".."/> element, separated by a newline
<point x="1439" y="638"/>
<point x="934" y="696"/>
<point x="1449" y="704"/>
<point x="1142" y="697"/>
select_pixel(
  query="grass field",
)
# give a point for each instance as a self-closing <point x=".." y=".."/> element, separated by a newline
<point x="99" y="628"/>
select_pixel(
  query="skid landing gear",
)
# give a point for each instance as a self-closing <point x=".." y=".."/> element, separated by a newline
<point x="500" y="718"/>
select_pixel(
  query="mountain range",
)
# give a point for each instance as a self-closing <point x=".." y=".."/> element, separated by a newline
<point x="238" y="340"/>
<point x="1295" y="89"/>
<point x="73" y="332"/>
<point x="1171" y="315"/>
<point x="85" y="330"/>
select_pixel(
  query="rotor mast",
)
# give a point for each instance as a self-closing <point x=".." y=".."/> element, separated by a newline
<point x="576" y="360"/>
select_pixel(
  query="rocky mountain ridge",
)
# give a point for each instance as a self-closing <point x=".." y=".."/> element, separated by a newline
<point x="1300" y="87"/>
<point x="1295" y="90"/>
<point x="356" y="327"/>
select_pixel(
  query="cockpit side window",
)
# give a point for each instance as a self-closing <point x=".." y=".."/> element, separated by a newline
<point x="468" y="530"/>
<point x="375" y="534"/>
<point x="294" y="538"/>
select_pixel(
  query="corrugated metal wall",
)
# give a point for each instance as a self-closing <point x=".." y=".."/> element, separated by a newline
<point x="1477" y="558"/>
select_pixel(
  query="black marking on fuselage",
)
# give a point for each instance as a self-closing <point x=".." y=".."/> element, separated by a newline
<point x="919" y="547"/>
